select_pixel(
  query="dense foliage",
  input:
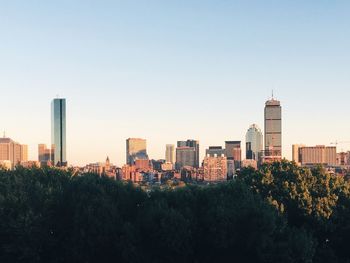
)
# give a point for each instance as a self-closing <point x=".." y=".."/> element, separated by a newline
<point x="280" y="213"/>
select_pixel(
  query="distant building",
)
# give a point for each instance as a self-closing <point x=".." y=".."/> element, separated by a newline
<point x="316" y="155"/>
<point x="167" y="166"/>
<point x="186" y="156"/>
<point x="12" y="152"/>
<point x="234" y="152"/>
<point x="142" y="164"/>
<point x="58" y="132"/>
<point x="273" y="130"/>
<point x="44" y="155"/>
<point x="250" y="163"/>
<point x="215" y="168"/>
<point x="343" y="158"/>
<point x="136" y="149"/>
<point x="254" y="143"/>
<point x="130" y="173"/>
<point x="296" y="154"/>
<point x="215" y="151"/>
<point x="170" y="153"/>
<point x="194" y="144"/>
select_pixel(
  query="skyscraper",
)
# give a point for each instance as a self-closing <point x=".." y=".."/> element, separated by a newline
<point x="58" y="132"/>
<point x="136" y="149"/>
<point x="195" y="145"/>
<point x="273" y="129"/>
<point x="254" y="143"/>
<point x="215" y="151"/>
<point x="170" y="153"/>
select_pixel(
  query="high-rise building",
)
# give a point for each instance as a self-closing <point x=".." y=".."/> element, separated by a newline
<point x="316" y="155"/>
<point x="58" y="132"/>
<point x="234" y="152"/>
<point x="170" y="153"/>
<point x="185" y="156"/>
<point x="194" y="144"/>
<point x="12" y="151"/>
<point x="273" y="129"/>
<point x="254" y="143"/>
<point x="44" y="154"/>
<point x="136" y="149"/>
<point x="215" y="151"/>
<point x="215" y="168"/>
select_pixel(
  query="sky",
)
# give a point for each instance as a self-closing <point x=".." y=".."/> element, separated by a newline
<point x="173" y="70"/>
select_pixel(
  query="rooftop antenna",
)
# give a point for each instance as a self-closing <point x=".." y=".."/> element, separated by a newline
<point x="4" y="134"/>
<point x="272" y="94"/>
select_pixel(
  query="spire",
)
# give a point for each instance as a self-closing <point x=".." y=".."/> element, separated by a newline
<point x="4" y="134"/>
<point x="272" y="95"/>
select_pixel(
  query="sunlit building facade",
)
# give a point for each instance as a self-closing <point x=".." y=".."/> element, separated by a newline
<point x="13" y="152"/>
<point x="170" y="153"/>
<point x="254" y="143"/>
<point x="215" y="168"/>
<point x="58" y="132"/>
<point x="136" y="149"/>
<point x="273" y="129"/>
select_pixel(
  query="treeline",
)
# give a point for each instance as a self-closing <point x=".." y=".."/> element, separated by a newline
<point x="281" y="213"/>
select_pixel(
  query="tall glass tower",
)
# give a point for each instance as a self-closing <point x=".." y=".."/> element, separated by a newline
<point x="58" y="132"/>
<point x="273" y="128"/>
<point x="254" y="143"/>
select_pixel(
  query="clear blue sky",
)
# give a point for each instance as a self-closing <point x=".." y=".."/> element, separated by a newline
<point x="172" y="70"/>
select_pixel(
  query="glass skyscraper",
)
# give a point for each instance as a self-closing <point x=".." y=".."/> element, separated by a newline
<point x="273" y="128"/>
<point x="58" y="132"/>
<point x="254" y="143"/>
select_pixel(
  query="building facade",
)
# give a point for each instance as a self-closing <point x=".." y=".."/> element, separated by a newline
<point x="12" y="151"/>
<point x="215" y="168"/>
<point x="316" y="155"/>
<point x="234" y="152"/>
<point x="215" y="151"/>
<point x="193" y="144"/>
<point x="254" y="143"/>
<point x="170" y="153"/>
<point x="58" y="132"/>
<point x="136" y="149"/>
<point x="186" y="156"/>
<point x="273" y="129"/>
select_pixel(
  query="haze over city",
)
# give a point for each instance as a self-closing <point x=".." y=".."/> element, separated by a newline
<point x="173" y="71"/>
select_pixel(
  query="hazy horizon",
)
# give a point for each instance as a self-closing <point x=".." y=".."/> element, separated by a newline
<point x="173" y="71"/>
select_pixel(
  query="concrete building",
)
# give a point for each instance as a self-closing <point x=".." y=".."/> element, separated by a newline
<point x="215" y="151"/>
<point x="215" y="168"/>
<point x="170" y="153"/>
<point x="295" y="153"/>
<point x="186" y="156"/>
<point x="273" y="130"/>
<point x="13" y="152"/>
<point x="234" y="152"/>
<point x="58" y="132"/>
<point x="315" y="155"/>
<point x="194" y="144"/>
<point x="254" y="143"/>
<point x="136" y="149"/>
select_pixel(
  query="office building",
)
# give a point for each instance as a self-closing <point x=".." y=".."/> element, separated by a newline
<point x="234" y="152"/>
<point x="273" y="130"/>
<point x="12" y="152"/>
<point x="186" y="156"/>
<point x="136" y="149"/>
<point x="58" y="132"/>
<point x="170" y="153"/>
<point x="194" y="144"/>
<point x="215" y="151"/>
<point x="44" y="154"/>
<point x="295" y="153"/>
<point x="316" y="155"/>
<point x="254" y="143"/>
<point x="215" y="168"/>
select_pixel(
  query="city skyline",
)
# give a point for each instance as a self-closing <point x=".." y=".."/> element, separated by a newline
<point x="196" y="70"/>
